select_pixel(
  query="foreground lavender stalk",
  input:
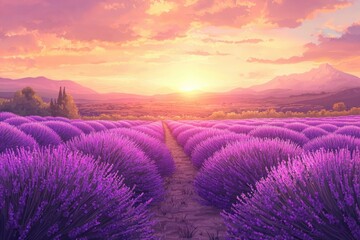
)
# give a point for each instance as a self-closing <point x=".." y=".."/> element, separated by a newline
<point x="235" y="169"/>
<point x="58" y="194"/>
<point x="316" y="196"/>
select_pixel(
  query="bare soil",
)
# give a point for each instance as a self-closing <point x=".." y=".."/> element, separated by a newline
<point x="181" y="215"/>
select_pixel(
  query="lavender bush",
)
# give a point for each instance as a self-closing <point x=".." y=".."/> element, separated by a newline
<point x="11" y="137"/>
<point x="314" y="132"/>
<point x="126" y="160"/>
<point x="6" y="115"/>
<point x="328" y="127"/>
<point x="241" y="128"/>
<point x="97" y="126"/>
<point x="43" y="135"/>
<point x="198" y="138"/>
<point x="235" y="169"/>
<point x="315" y="197"/>
<point x="333" y="142"/>
<point x="281" y="133"/>
<point x="83" y="126"/>
<point x="65" y="130"/>
<point x="153" y="148"/>
<point x="209" y="147"/>
<point x="297" y="126"/>
<point x="57" y="194"/>
<point x="349" y="131"/>
<point x="184" y="136"/>
<point x="17" y="121"/>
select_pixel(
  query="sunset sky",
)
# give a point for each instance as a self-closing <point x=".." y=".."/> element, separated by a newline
<point x="155" y="46"/>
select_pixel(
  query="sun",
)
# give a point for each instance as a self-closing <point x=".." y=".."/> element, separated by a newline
<point x="188" y="88"/>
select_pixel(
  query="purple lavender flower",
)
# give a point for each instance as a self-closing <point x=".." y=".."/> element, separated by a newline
<point x="6" y="115"/>
<point x="314" y="132"/>
<point x="126" y="160"/>
<point x="65" y="130"/>
<point x="198" y="138"/>
<point x="43" y="135"/>
<point x="236" y="168"/>
<point x="97" y="126"/>
<point x="328" y="127"/>
<point x="83" y="126"/>
<point x="58" y="194"/>
<point x="314" y="197"/>
<point x="349" y="131"/>
<point x="153" y="148"/>
<point x="209" y="147"/>
<point x="281" y="133"/>
<point x="333" y="142"/>
<point x="17" y="121"/>
<point x="11" y="137"/>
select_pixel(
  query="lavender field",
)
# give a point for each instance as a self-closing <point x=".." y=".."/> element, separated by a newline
<point x="293" y="178"/>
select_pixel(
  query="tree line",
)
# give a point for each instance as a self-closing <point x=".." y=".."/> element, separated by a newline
<point x="27" y="102"/>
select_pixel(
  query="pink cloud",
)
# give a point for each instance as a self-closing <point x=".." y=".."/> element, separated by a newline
<point x="244" y="41"/>
<point x="290" y="13"/>
<point x="206" y="53"/>
<point x="119" y="21"/>
<point x="329" y="49"/>
<point x="18" y="44"/>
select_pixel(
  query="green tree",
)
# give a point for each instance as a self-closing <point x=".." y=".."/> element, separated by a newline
<point x="339" y="106"/>
<point x="26" y="102"/>
<point x="64" y="106"/>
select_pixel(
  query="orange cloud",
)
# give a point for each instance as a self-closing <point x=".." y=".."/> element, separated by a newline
<point x="331" y="49"/>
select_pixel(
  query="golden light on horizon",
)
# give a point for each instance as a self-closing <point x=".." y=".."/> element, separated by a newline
<point x="189" y="86"/>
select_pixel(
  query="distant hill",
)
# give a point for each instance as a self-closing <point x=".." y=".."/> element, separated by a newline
<point x="45" y="87"/>
<point x="48" y="88"/>
<point x="325" y="78"/>
<point x="320" y="87"/>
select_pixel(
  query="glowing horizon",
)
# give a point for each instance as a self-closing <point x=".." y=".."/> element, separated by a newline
<point x="150" y="47"/>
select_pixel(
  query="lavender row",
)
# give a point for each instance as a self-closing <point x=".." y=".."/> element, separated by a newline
<point x="96" y="183"/>
<point x="234" y="157"/>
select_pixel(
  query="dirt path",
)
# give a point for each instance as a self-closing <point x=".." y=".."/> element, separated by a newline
<point x="180" y="215"/>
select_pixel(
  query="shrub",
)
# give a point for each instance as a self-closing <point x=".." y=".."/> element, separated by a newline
<point x="150" y="132"/>
<point x="281" y="133"/>
<point x="221" y="126"/>
<point x="65" y="130"/>
<point x="181" y="128"/>
<point x="198" y="138"/>
<point x="241" y="129"/>
<point x="57" y="194"/>
<point x="297" y="126"/>
<point x="97" y="126"/>
<point x="43" y="135"/>
<point x="209" y="147"/>
<point x="11" y="137"/>
<point x="127" y="160"/>
<point x="153" y="148"/>
<point x="17" y="121"/>
<point x="36" y="118"/>
<point x="316" y="197"/>
<point x="328" y="127"/>
<point x="235" y="169"/>
<point x="58" y="119"/>
<point x="6" y="115"/>
<point x="107" y="124"/>
<point x="333" y="142"/>
<point x="84" y="127"/>
<point x="314" y="132"/>
<point x="349" y="131"/>
<point x="184" y="136"/>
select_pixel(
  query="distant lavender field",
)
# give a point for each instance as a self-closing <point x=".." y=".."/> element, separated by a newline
<point x="271" y="178"/>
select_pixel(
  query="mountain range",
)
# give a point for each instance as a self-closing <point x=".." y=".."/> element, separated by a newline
<point x="320" y="86"/>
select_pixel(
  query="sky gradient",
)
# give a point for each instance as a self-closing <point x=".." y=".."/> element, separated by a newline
<point x="154" y="46"/>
